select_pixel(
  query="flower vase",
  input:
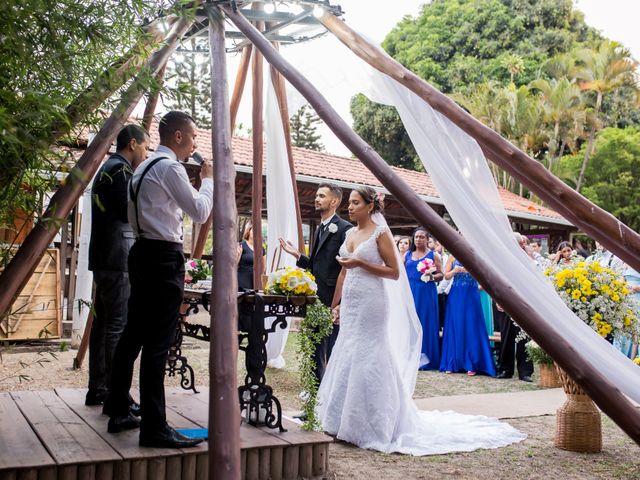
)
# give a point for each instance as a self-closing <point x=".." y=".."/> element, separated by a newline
<point x="548" y="376"/>
<point x="578" y="422"/>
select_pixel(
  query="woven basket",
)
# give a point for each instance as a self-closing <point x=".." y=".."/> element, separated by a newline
<point x="578" y="422"/>
<point x="548" y="376"/>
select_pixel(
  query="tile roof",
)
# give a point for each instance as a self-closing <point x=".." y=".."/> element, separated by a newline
<point x="333" y="167"/>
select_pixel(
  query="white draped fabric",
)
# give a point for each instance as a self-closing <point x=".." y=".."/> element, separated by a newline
<point x="461" y="174"/>
<point x="281" y="211"/>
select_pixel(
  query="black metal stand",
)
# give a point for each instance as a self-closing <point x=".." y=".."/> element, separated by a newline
<point x="257" y="402"/>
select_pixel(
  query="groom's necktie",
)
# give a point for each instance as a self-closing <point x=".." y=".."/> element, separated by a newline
<point x="323" y="231"/>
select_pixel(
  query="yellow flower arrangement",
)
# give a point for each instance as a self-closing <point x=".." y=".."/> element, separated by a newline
<point x="636" y="360"/>
<point x="596" y="294"/>
<point x="291" y="281"/>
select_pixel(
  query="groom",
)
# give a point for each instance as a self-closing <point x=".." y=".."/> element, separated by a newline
<point x="322" y="262"/>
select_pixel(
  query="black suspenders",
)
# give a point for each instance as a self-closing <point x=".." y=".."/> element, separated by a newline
<point x="134" y="195"/>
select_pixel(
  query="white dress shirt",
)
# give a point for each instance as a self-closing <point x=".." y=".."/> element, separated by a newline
<point x="164" y="195"/>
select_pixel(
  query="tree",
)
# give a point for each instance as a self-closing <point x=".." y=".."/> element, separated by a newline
<point x="602" y="71"/>
<point x="612" y="179"/>
<point x="380" y="126"/>
<point x="50" y="53"/>
<point x="189" y="75"/>
<point x="304" y="129"/>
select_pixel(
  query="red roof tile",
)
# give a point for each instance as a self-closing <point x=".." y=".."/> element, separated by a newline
<point x="334" y="167"/>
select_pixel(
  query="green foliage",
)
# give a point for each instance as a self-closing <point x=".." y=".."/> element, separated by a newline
<point x="315" y="326"/>
<point x="304" y="129"/>
<point x="380" y="126"/>
<point x="537" y="355"/>
<point x="612" y="179"/>
<point x="50" y="52"/>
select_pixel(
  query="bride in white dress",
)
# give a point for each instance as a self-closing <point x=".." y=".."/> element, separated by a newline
<point x="365" y="397"/>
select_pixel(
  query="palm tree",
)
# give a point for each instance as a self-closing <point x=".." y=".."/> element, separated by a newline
<point x="601" y="71"/>
<point x="561" y="101"/>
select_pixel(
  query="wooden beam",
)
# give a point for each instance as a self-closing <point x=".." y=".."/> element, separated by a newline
<point x="16" y="275"/>
<point x="608" y="397"/>
<point x="152" y="101"/>
<point x="590" y="218"/>
<point x="224" y="414"/>
<point x="258" y="155"/>
<point x="238" y="88"/>
<point x="281" y="96"/>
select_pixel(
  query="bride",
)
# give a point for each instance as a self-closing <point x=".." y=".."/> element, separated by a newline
<point x="365" y="397"/>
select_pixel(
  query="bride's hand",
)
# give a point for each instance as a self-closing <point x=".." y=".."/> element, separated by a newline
<point x="347" y="262"/>
<point x="336" y="315"/>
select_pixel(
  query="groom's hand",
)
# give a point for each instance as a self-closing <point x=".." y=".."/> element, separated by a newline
<point x="288" y="247"/>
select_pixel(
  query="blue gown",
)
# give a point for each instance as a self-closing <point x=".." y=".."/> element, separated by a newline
<point x="465" y="344"/>
<point x="425" y="297"/>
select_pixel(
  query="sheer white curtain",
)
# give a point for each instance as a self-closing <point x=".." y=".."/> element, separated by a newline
<point x="460" y="173"/>
<point x="281" y="211"/>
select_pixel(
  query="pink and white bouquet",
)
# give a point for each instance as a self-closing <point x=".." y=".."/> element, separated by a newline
<point x="196" y="270"/>
<point x="427" y="268"/>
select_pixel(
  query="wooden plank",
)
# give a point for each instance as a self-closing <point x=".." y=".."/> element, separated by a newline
<point x="320" y="453"/>
<point x="189" y="467"/>
<point x="243" y="462"/>
<point x="104" y="471"/>
<point x="264" y="470"/>
<point x="291" y="459"/>
<point x="157" y="468"/>
<point x="295" y="435"/>
<point x="194" y="408"/>
<point x="202" y="467"/>
<point x="125" y="443"/>
<point x="9" y="475"/>
<point x="253" y="464"/>
<point x="20" y="446"/>
<point x="68" y="472"/>
<point x="174" y="468"/>
<point x="86" y="472"/>
<point x="66" y="436"/>
<point x="28" y="474"/>
<point x="51" y="473"/>
<point x="305" y="464"/>
<point x="139" y="469"/>
<point x="122" y="470"/>
<point x="277" y="459"/>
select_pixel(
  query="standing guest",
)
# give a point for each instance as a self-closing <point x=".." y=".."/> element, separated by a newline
<point x="607" y="259"/>
<point x="159" y="193"/>
<point x="627" y="345"/>
<point x="403" y="244"/>
<point x="443" y="287"/>
<point x="111" y="239"/>
<point x="322" y="261"/>
<point x="579" y="248"/>
<point x="465" y="344"/>
<point x="425" y="297"/>
<point x="245" y="262"/>
<point x="509" y="348"/>
<point x="564" y="255"/>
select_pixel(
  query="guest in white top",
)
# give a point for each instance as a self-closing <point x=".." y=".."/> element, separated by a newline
<point x="159" y="194"/>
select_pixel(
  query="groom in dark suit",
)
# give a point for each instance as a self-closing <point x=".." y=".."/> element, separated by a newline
<point x="322" y="262"/>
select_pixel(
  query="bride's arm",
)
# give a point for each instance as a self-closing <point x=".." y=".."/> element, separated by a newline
<point x="337" y="294"/>
<point x="387" y="249"/>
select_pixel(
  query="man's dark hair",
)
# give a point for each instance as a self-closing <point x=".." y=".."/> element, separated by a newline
<point x="129" y="132"/>
<point x="336" y="191"/>
<point x="172" y="122"/>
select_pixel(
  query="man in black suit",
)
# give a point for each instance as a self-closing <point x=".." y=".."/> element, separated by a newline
<point x="322" y="261"/>
<point x="111" y="239"/>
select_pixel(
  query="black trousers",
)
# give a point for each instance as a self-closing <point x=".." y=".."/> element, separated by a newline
<point x="156" y="271"/>
<point x="511" y="350"/>
<point x="112" y="295"/>
<point x="323" y="352"/>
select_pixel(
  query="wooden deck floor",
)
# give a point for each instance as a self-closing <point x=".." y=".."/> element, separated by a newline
<point x="52" y="435"/>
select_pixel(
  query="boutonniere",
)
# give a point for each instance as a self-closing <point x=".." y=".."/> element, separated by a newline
<point x="333" y="228"/>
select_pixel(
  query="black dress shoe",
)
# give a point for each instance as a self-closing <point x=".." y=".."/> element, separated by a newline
<point x="95" y="397"/>
<point x="503" y="375"/>
<point x="120" y="424"/>
<point x="134" y="409"/>
<point x="526" y="378"/>
<point x="167" y="438"/>
<point x="301" y="416"/>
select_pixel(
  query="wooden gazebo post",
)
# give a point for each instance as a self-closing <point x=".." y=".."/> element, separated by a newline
<point x="258" y="151"/>
<point x="224" y="414"/>
<point x="17" y="273"/>
<point x="599" y="387"/>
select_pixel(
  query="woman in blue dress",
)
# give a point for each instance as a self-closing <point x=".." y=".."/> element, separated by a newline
<point x="465" y="344"/>
<point x="425" y="297"/>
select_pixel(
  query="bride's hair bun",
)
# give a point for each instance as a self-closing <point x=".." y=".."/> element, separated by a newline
<point x="370" y="196"/>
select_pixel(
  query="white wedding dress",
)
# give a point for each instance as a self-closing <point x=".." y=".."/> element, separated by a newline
<point x="363" y="398"/>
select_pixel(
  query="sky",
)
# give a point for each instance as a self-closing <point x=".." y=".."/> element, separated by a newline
<point x="331" y="67"/>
